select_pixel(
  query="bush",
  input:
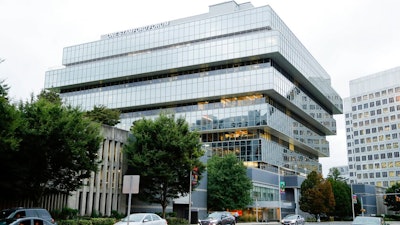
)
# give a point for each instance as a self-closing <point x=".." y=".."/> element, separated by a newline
<point x="95" y="214"/>
<point x="115" y="214"/>
<point x="67" y="222"/>
<point x="84" y="222"/>
<point x="247" y="218"/>
<point x="65" y="214"/>
<point x="177" y="221"/>
<point x="311" y="219"/>
<point x="392" y="217"/>
<point x="102" y="221"/>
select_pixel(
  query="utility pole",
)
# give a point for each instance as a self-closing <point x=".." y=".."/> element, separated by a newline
<point x="279" y="188"/>
<point x="352" y="199"/>
<point x="190" y="196"/>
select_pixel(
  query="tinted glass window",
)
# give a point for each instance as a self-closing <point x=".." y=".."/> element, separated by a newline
<point x="43" y="214"/>
<point x="30" y="213"/>
<point x="25" y="222"/>
<point x="19" y="213"/>
<point x="38" y="222"/>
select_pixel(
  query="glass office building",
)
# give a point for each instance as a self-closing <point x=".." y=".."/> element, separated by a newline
<point x="372" y="114"/>
<point x="237" y="74"/>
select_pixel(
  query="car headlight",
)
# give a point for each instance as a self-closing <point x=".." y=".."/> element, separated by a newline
<point x="213" y="222"/>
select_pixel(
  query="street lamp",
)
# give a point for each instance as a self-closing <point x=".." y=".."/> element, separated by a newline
<point x="352" y="198"/>
<point x="279" y="192"/>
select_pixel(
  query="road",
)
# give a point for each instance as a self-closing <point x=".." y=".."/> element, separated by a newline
<point x="316" y="223"/>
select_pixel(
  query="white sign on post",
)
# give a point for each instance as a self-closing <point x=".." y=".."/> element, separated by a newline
<point x="129" y="186"/>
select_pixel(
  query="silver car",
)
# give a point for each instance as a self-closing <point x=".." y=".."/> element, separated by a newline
<point x="293" y="219"/>
<point x="142" y="218"/>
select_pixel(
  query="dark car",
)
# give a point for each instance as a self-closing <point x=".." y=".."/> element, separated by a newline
<point x="7" y="216"/>
<point x="218" y="218"/>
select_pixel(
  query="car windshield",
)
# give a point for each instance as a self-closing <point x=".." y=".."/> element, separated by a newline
<point x="134" y="217"/>
<point x="214" y="215"/>
<point x="367" y="220"/>
<point x="290" y="217"/>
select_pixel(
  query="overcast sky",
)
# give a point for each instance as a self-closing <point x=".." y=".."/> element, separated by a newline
<point x="349" y="38"/>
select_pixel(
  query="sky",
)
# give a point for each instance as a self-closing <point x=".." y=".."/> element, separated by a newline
<point x="349" y="38"/>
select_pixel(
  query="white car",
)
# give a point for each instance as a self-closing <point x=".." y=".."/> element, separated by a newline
<point x="368" y="220"/>
<point x="143" y="218"/>
<point x="293" y="219"/>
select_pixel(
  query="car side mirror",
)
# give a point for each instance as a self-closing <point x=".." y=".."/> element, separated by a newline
<point x="146" y="220"/>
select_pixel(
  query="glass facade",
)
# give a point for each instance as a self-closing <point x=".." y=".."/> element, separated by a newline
<point x="372" y="114"/>
<point x="237" y="74"/>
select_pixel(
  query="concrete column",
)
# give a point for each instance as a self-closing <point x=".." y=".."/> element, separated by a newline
<point x="110" y="177"/>
<point x="103" y="190"/>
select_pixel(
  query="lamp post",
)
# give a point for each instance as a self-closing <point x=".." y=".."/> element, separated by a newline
<point x="352" y="198"/>
<point x="190" y="197"/>
<point x="279" y="192"/>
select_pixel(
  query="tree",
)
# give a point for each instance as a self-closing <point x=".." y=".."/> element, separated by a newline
<point x="392" y="197"/>
<point x="335" y="174"/>
<point x="163" y="151"/>
<point x="103" y="115"/>
<point x="316" y="195"/>
<point x="10" y="121"/>
<point x="228" y="186"/>
<point x="58" y="148"/>
<point x="342" y="194"/>
<point x="4" y="89"/>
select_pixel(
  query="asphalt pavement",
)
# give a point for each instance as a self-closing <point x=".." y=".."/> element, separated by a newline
<point x="315" y="223"/>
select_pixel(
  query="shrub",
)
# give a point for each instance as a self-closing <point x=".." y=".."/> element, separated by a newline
<point x="65" y="214"/>
<point x="177" y="221"/>
<point x="84" y="222"/>
<point x="95" y="214"/>
<point x="67" y="222"/>
<point x="247" y="218"/>
<point x="115" y="214"/>
<point x="101" y="221"/>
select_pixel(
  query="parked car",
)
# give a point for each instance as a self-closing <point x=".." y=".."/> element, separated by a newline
<point x="9" y="215"/>
<point x="30" y="221"/>
<point x="218" y="218"/>
<point x="368" y="220"/>
<point x="142" y="218"/>
<point x="293" y="219"/>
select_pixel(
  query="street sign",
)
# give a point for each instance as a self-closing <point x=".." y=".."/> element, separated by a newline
<point x="131" y="184"/>
<point x="282" y="186"/>
<point x="354" y="199"/>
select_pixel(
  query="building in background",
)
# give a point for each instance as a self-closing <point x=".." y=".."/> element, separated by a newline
<point x="237" y="74"/>
<point x="102" y="192"/>
<point x="372" y="115"/>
